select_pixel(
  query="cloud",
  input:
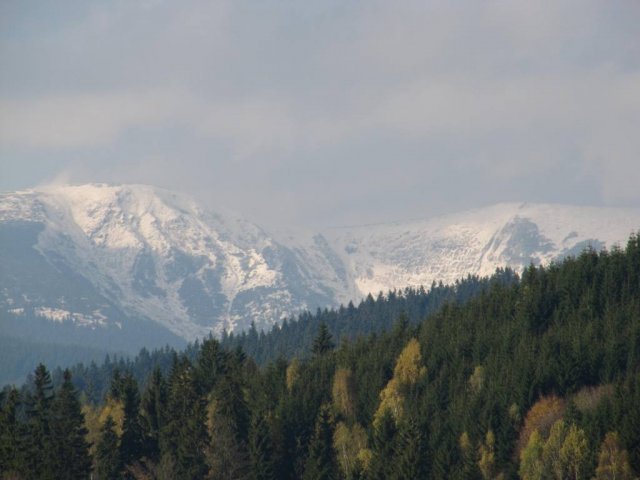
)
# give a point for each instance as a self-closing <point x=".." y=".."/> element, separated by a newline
<point x="84" y="120"/>
<point x="376" y="108"/>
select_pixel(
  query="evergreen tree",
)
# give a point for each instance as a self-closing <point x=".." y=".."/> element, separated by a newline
<point x="229" y="419"/>
<point x="411" y="459"/>
<point x="321" y="462"/>
<point x="323" y="342"/>
<point x="383" y="448"/>
<point x="227" y="455"/>
<point x="108" y="464"/>
<point x="131" y="443"/>
<point x="40" y="456"/>
<point x="153" y="414"/>
<point x="184" y="438"/>
<point x="10" y="452"/>
<point x="72" y="460"/>
<point x="261" y="448"/>
<point x="212" y="363"/>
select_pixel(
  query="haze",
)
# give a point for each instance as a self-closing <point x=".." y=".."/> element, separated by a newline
<point x="326" y="113"/>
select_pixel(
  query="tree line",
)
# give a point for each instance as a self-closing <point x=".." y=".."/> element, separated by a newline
<point x="534" y="379"/>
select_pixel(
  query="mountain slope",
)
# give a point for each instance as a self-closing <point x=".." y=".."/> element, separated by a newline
<point x="99" y="258"/>
<point x="104" y="253"/>
<point x="476" y="242"/>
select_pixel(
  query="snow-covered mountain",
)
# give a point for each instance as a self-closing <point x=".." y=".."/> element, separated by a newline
<point x="130" y="260"/>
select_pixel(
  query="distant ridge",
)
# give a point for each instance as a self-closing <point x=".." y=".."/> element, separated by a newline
<point x="94" y="260"/>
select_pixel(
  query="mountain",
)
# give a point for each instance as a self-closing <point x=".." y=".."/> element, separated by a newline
<point x="447" y="248"/>
<point x="134" y="265"/>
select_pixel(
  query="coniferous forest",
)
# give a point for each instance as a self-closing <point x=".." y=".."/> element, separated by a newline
<point x="532" y="378"/>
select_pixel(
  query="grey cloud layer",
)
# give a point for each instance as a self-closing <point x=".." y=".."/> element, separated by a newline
<point x="326" y="112"/>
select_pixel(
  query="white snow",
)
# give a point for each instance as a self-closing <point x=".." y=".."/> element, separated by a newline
<point x="106" y="231"/>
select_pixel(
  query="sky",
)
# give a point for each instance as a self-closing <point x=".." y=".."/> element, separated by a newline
<point x="320" y="113"/>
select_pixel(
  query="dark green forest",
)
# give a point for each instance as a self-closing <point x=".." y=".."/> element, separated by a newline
<point x="533" y="378"/>
<point x="19" y="356"/>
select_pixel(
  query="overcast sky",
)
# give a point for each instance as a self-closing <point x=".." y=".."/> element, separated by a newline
<point x="326" y="113"/>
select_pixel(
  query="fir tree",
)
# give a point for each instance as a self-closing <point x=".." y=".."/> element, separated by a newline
<point x="108" y="464"/>
<point x="72" y="460"/>
<point x="153" y="414"/>
<point x="185" y="437"/>
<point x="410" y="452"/>
<point x="40" y="454"/>
<point x="131" y="443"/>
<point x="212" y="362"/>
<point x="10" y="452"/>
<point x="261" y="449"/>
<point x="323" y="342"/>
<point x="383" y="447"/>
<point x="321" y="463"/>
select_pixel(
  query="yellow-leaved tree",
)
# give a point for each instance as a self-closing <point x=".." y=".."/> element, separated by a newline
<point x="562" y="455"/>
<point x="343" y="393"/>
<point x="95" y="418"/>
<point x="406" y="374"/>
<point x="541" y="416"/>
<point x="613" y="460"/>
<point x="531" y="466"/>
<point x="409" y="369"/>
<point x="293" y="373"/>
<point x="349" y="443"/>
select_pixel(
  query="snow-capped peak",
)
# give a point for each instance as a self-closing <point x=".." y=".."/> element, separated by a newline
<point x="160" y="255"/>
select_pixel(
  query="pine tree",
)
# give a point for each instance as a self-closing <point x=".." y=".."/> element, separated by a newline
<point x="184" y="438"/>
<point x="321" y="462"/>
<point x="261" y="449"/>
<point x="212" y="363"/>
<point x="40" y="453"/>
<point x="323" y="342"/>
<point x="410" y="453"/>
<point x="107" y="457"/>
<point x="153" y="414"/>
<point x="72" y="460"/>
<point x="131" y="443"/>
<point x="227" y="455"/>
<point x="10" y="451"/>
<point x="383" y="447"/>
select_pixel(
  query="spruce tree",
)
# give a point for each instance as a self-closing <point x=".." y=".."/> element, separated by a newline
<point x="72" y="458"/>
<point x="229" y="425"/>
<point x="212" y="362"/>
<point x="131" y="443"/>
<point x="321" y="463"/>
<point x="153" y="414"/>
<point x="410" y="452"/>
<point x="184" y="437"/>
<point x="384" y="438"/>
<point x="40" y="456"/>
<point x="107" y="458"/>
<point x="261" y="449"/>
<point x="10" y="451"/>
<point x="323" y="341"/>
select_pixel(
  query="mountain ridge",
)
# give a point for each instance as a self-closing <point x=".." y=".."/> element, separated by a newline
<point x="147" y="252"/>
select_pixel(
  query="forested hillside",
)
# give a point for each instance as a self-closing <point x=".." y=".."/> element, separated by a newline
<point x="532" y="379"/>
<point x="294" y="337"/>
